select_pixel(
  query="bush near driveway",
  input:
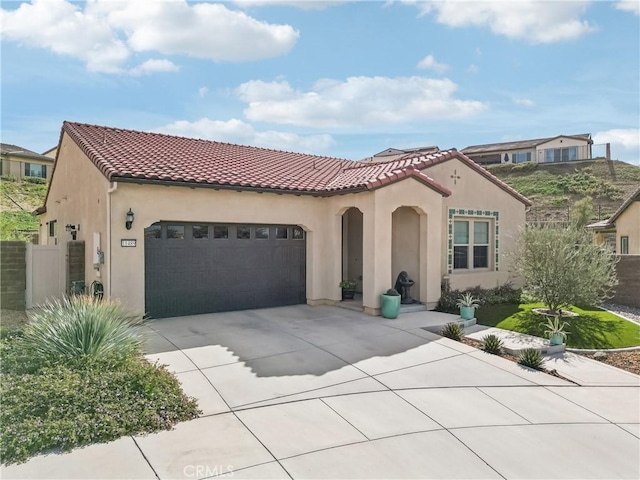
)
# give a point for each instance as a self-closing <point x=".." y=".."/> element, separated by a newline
<point x="84" y="383"/>
<point x="592" y="328"/>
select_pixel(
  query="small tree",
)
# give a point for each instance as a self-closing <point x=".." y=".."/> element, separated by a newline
<point x="564" y="267"/>
<point x="582" y="213"/>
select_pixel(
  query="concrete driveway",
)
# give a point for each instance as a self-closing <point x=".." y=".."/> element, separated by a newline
<point x="323" y="392"/>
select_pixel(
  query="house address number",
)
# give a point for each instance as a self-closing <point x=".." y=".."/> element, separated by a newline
<point x="127" y="243"/>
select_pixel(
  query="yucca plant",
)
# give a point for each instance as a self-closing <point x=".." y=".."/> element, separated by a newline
<point x="492" y="344"/>
<point x="80" y="328"/>
<point x="531" y="357"/>
<point x="453" y="330"/>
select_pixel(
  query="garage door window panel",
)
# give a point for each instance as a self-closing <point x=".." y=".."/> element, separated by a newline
<point x="200" y="232"/>
<point x="154" y="231"/>
<point x="220" y="232"/>
<point x="243" y="233"/>
<point x="282" y="233"/>
<point x="262" y="233"/>
<point x="175" y="232"/>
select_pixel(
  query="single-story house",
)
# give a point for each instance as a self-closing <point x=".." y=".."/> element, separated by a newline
<point x="623" y="226"/>
<point x="561" y="148"/>
<point x="21" y="163"/>
<point x="176" y="226"/>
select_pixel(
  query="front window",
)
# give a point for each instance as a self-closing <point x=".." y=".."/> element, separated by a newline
<point x="35" y="170"/>
<point x="470" y="244"/>
<point x="521" y="157"/>
<point x="624" y="245"/>
<point x="52" y="228"/>
<point x="567" y="154"/>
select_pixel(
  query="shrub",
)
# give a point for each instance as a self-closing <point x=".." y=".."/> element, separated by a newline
<point x="453" y="330"/>
<point x="492" y="344"/>
<point x="504" y="294"/>
<point x="531" y="358"/>
<point x="37" y="180"/>
<point x="79" y="328"/>
<point x="8" y="178"/>
<point x="392" y="292"/>
<point x="60" y="408"/>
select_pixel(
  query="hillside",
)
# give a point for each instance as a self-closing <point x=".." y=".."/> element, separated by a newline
<point x="17" y="200"/>
<point x="554" y="188"/>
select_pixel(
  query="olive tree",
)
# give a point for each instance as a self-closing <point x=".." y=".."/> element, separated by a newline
<point x="564" y="266"/>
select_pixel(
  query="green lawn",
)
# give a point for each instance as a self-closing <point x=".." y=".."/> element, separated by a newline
<point x="593" y="328"/>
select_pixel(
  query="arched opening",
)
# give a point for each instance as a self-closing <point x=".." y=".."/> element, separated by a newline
<point x="405" y="247"/>
<point x="352" y="248"/>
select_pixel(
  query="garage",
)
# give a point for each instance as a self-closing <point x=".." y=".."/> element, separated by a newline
<point x="193" y="268"/>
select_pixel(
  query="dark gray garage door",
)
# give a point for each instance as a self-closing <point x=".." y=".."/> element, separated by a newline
<point x="193" y="268"/>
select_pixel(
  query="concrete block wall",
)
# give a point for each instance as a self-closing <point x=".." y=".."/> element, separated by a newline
<point x="628" y="289"/>
<point x="13" y="276"/>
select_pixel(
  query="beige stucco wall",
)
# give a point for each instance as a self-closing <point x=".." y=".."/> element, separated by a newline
<point x="405" y="254"/>
<point x="475" y="192"/>
<point x="77" y="196"/>
<point x="628" y="224"/>
<point x="153" y="203"/>
<point x="584" y="150"/>
<point x="14" y="166"/>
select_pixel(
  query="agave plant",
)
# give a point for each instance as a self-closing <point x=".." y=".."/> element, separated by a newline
<point x="79" y="327"/>
<point x="453" y="330"/>
<point x="531" y="358"/>
<point x="468" y="300"/>
<point x="555" y="327"/>
<point x="492" y="344"/>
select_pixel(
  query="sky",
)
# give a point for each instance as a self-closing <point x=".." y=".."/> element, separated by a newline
<point x="342" y="79"/>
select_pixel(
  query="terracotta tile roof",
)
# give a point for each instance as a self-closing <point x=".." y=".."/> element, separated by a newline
<point x="130" y="155"/>
<point x="133" y="155"/>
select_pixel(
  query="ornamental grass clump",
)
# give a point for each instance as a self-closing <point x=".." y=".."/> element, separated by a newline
<point x="80" y="328"/>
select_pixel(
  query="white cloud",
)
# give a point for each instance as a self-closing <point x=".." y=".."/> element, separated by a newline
<point x="237" y="131"/>
<point x="523" y="102"/>
<point x="356" y="101"/>
<point x="531" y="20"/>
<point x="626" y="138"/>
<point x="429" y="63"/>
<point x="103" y="33"/>
<point x="153" y="66"/>
<point x="64" y="29"/>
<point x="473" y="68"/>
<point x="302" y="4"/>
<point x="632" y="6"/>
<point x="202" y="91"/>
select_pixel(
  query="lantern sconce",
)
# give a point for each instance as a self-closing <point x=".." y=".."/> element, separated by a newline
<point x="129" y="221"/>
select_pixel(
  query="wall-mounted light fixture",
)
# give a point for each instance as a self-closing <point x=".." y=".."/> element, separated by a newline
<point x="129" y="221"/>
<point x="74" y="229"/>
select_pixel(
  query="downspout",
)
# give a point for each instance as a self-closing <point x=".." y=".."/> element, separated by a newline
<point x="113" y="188"/>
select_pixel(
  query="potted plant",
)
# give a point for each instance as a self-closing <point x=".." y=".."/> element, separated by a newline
<point x="348" y="289"/>
<point x="555" y="330"/>
<point x="468" y="304"/>
<point x="390" y="302"/>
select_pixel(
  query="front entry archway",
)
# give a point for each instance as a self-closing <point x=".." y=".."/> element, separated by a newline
<point x="405" y="247"/>
<point x="352" y="221"/>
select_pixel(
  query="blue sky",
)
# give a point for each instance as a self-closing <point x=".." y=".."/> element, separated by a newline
<point x="345" y="79"/>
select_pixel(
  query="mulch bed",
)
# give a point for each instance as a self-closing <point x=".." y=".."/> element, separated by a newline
<point x="629" y="361"/>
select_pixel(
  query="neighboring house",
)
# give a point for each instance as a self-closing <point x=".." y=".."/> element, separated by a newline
<point x="623" y="228"/>
<point x="563" y="148"/>
<point x="399" y="154"/>
<point x="20" y="162"/>
<point x="176" y="226"/>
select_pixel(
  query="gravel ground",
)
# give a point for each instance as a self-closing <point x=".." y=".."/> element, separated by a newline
<point x="628" y="312"/>
<point x="629" y="361"/>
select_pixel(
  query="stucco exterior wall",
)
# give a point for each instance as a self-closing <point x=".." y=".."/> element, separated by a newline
<point x="472" y="191"/>
<point x="628" y="225"/>
<point x="14" y="166"/>
<point x="584" y="150"/>
<point x="77" y="196"/>
<point x="153" y="203"/>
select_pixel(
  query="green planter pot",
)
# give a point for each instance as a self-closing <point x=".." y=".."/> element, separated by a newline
<point x="467" y="313"/>
<point x="390" y="305"/>
<point x="556" y="339"/>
